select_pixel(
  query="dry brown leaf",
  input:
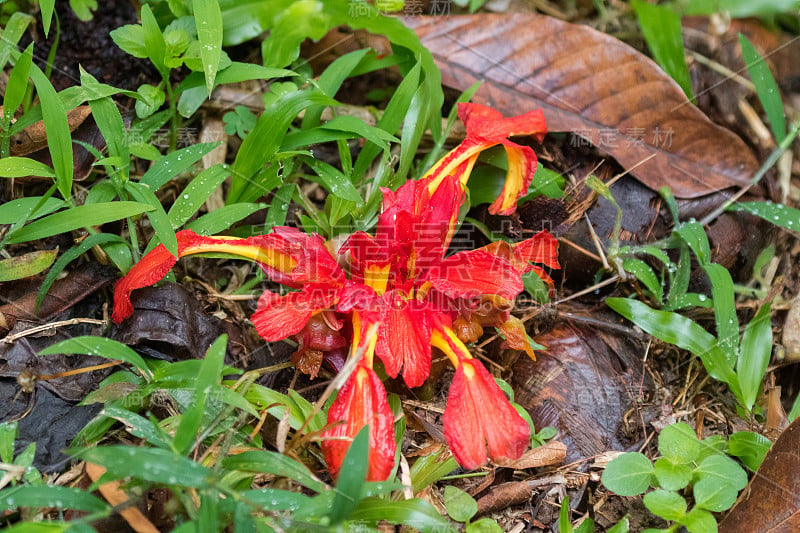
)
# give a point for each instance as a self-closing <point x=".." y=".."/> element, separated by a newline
<point x="116" y="496"/>
<point x="772" y="499"/>
<point x="594" y="85"/>
<point x="550" y="453"/>
<point x="33" y="138"/>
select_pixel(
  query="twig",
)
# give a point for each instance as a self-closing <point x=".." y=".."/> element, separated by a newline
<point x="9" y="339"/>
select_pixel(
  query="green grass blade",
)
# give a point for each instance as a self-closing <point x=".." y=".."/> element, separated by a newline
<point x="415" y="513"/>
<point x="755" y="355"/>
<point x="661" y="28"/>
<point x="148" y="464"/>
<point x="208" y="20"/>
<point x="208" y="376"/>
<point x="59" y="140"/>
<point x="100" y="347"/>
<point x="223" y="218"/>
<point x="158" y="217"/>
<point x="34" y="496"/>
<point x="768" y="93"/>
<point x="268" y="462"/>
<point x="78" y="217"/>
<point x="680" y="331"/>
<point x="11" y="34"/>
<point x="196" y="193"/>
<point x="174" y="163"/>
<point x="352" y="478"/>
<point x="778" y="214"/>
<point x="17" y="84"/>
<point x="47" y="7"/>
<point x="19" y="167"/>
<point x="724" y="309"/>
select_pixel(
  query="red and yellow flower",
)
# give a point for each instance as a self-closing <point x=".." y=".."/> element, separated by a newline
<point x="399" y="282"/>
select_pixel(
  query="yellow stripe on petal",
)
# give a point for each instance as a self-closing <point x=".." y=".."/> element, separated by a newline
<point x="270" y="257"/>
<point x="516" y="181"/>
<point x="377" y="277"/>
<point x="450" y="163"/>
<point x="448" y="342"/>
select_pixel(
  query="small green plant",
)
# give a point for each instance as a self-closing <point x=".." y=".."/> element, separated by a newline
<point x="462" y="507"/>
<point x="687" y="465"/>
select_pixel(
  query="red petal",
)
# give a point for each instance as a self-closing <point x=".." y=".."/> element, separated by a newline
<point x="404" y="338"/>
<point x="541" y="248"/>
<point x="278" y="317"/>
<point x="521" y="168"/>
<point x="486" y="124"/>
<point x="471" y="273"/>
<point x="478" y="416"/>
<point x="361" y="402"/>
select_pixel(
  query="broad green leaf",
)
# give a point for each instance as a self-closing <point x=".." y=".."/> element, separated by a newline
<point x="678" y="443"/>
<point x="24" y="266"/>
<point x="298" y="21"/>
<point x="208" y="20"/>
<point x="483" y="525"/>
<point x="724" y="310"/>
<point x="667" y="504"/>
<point x="279" y="207"/>
<point x="671" y="476"/>
<point x="700" y="521"/>
<point x="158" y="217"/>
<point x="138" y="426"/>
<point x="778" y="214"/>
<point x="149" y="99"/>
<point x="768" y="93"/>
<point x="415" y="513"/>
<point x="172" y="164"/>
<point x="223" y="218"/>
<point x="352" y="477"/>
<point x="623" y="526"/>
<point x="721" y="470"/>
<point x="243" y="20"/>
<point x="629" y="474"/>
<point x="661" y="28"/>
<point x="76" y="218"/>
<point x="460" y="506"/>
<point x="749" y="447"/>
<point x="59" y="140"/>
<point x="208" y="376"/>
<point x="101" y="347"/>
<point x="155" y="465"/>
<point x="678" y="330"/>
<point x="755" y="355"/>
<point x="714" y="496"/>
<point x="196" y="193"/>
<point x="269" y="462"/>
<point x="50" y="496"/>
<point x="8" y="434"/>
<point x="19" y="167"/>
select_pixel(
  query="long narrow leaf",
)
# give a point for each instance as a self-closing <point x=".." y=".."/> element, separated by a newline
<point x="208" y="20"/>
<point x="158" y="217"/>
<point x="148" y="464"/>
<point x="768" y="93"/>
<point x="100" y="347"/>
<point x="680" y="331"/>
<point x="50" y="496"/>
<point x="756" y="352"/>
<point x="59" y="140"/>
<point x="78" y="217"/>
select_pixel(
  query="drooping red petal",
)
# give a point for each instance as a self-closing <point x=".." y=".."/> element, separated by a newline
<point x="471" y="273"/>
<point x="521" y="168"/>
<point x="267" y="250"/>
<point x="279" y="317"/>
<point x="488" y="125"/>
<point x="541" y="248"/>
<point x="478" y="419"/>
<point x="404" y="338"/>
<point x="361" y="402"/>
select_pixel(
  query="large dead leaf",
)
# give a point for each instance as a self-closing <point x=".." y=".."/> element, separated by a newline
<point x="772" y="499"/>
<point x="595" y="86"/>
